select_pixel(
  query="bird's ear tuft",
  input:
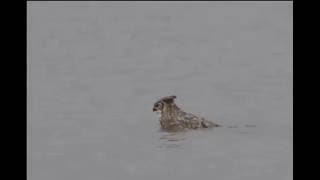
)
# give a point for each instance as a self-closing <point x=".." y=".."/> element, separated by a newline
<point x="169" y="99"/>
<point x="173" y="97"/>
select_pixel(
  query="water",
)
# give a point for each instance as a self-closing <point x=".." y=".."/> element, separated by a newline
<point x="96" y="68"/>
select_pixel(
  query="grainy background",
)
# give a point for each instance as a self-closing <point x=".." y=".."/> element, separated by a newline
<point x="96" y="68"/>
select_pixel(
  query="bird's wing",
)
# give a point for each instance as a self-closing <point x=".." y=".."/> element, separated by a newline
<point x="189" y="120"/>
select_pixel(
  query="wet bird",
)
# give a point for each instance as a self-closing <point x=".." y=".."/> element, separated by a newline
<point x="173" y="118"/>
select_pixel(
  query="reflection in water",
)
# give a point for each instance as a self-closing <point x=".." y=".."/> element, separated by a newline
<point x="172" y="140"/>
<point x="177" y="136"/>
<point x="175" y="140"/>
<point x="250" y="125"/>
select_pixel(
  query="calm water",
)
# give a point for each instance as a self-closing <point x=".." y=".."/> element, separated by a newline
<point x="96" y="68"/>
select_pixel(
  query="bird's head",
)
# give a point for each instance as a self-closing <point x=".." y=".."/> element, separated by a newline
<point x="162" y="104"/>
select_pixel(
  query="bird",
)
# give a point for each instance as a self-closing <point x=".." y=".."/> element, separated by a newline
<point x="173" y="118"/>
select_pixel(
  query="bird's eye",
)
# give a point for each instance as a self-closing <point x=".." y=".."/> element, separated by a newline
<point x="157" y="105"/>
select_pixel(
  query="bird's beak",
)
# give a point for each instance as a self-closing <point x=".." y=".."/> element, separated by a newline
<point x="153" y="109"/>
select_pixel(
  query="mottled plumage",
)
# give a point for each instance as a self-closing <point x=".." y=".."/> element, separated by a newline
<point x="173" y="118"/>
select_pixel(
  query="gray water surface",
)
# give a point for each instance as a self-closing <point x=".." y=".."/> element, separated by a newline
<point x="96" y="68"/>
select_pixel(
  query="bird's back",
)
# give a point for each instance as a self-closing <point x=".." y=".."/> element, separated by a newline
<point x="192" y="121"/>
